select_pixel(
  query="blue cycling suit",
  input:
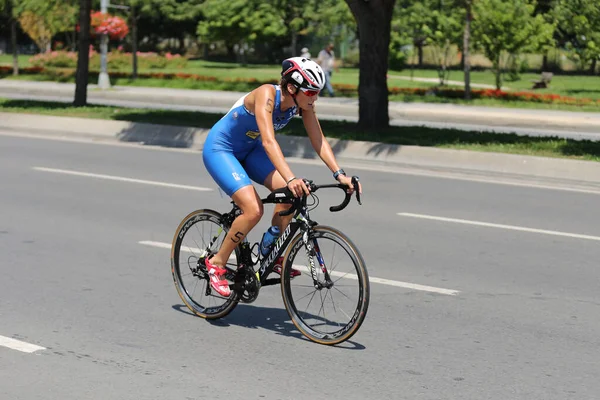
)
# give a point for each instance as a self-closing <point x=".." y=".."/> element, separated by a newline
<point x="233" y="152"/>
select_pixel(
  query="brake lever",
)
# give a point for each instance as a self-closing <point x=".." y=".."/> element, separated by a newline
<point x="355" y="180"/>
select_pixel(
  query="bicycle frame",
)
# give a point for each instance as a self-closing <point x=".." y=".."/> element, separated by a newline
<point x="300" y="221"/>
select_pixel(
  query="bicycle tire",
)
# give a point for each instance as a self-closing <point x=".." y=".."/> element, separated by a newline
<point x="176" y="269"/>
<point x="362" y="303"/>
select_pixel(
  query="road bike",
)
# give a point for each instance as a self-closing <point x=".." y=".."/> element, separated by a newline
<point x="333" y="272"/>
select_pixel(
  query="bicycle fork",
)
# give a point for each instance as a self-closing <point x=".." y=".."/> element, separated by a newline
<point x="312" y="251"/>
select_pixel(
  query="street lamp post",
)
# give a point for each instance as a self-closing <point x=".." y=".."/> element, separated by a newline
<point x="103" y="79"/>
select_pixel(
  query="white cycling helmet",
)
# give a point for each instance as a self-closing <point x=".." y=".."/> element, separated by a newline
<point x="303" y="73"/>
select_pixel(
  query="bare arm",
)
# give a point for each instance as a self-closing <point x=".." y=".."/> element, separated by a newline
<point x="317" y="139"/>
<point x="264" y="102"/>
<point x="322" y="147"/>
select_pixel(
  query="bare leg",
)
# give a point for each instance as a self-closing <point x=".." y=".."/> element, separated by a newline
<point x="249" y="202"/>
<point x="275" y="181"/>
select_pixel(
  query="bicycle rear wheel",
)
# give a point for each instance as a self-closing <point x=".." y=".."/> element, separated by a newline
<point x="333" y="312"/>
<point x="200" y="235"/>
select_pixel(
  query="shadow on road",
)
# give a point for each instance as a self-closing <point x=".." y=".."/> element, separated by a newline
<point x="387" y="140"/>
<point x="272" y="319"/>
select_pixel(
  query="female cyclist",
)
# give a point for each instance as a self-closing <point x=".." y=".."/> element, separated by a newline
<point x="241" y="147"/>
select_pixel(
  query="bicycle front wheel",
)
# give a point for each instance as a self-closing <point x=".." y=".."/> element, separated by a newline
<point x="334" y="310"/>
<point x="200" y="235"/>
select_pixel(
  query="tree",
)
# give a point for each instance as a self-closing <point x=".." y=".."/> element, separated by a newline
<point x="180" y="17"/>
<point x="411" y="24"/>
<point x="83" y="59"/>
<point x="468" y="4"/>
<point x="291" y="13"/>
<point x="466" y="7"/>
<point x="508" y="27"/>
<point x="330" y="18"/>
<point x="231" y="22"/>
<point x="444" y="34"/>
<point x="42" y="19"/>
<point x="579" y="28"/>
<point x="374" y="25"/>
<point x="7" y="7"/>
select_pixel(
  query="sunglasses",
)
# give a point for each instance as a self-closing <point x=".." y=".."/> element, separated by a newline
<point x="309" y="93"/>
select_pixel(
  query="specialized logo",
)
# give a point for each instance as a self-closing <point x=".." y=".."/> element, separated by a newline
<point x="252" y="134"/>
<point x="236" y="176"/>
<point x="275" y="249"/>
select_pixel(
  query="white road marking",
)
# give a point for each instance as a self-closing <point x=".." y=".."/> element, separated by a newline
<point x="509" y="227"/>
<point x="372" y="279"/>
<point x="389" y="282"/>
<point x="356" y="164"/>
<point x="122" y="179"/>
<point x="19" y="345"/>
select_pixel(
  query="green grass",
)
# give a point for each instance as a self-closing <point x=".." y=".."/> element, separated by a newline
<point x="418" y="136"/>
<point x="7" y="59"/>
<point x="579" y="86"/>
<point x="564" y="85"/>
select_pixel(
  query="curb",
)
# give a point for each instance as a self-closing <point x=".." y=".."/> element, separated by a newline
<point x="328" y="108"/>
<point x="377" y="154"/>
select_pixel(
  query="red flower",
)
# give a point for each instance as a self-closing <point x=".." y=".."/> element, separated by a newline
<point x="114" y="27"/>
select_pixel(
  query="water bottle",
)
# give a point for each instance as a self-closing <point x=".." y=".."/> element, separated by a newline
<point x="268" y="240"/>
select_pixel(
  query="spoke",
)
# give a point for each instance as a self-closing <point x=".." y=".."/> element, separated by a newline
<point x="332" y="302"/>
<point x="194" y="289"/>
<point x="201" y="236"/>
<point x="332" y="256"/>
<point x="313" y="292"/>
<point x="335" y="266"/>
<point x="184" y="275"/>
<point x="322" y="304"/>
<point x="347" y="316"/>
<point x="311" y="299"/>
<point x="341" y="277"/>
<point x="342" y="293"/>
<point x="197" y="247"/>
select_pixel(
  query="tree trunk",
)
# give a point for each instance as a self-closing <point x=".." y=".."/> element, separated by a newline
<point x="420" y="47"/>
<point x="374" y="22"/>
<point x="15" y="49"/>
<point x="181" y="40"/>
<point x="593" y="67"/>
<point x="545" y="63"/>
<point x="134" y="43"/>
<point x="294" y="44"/>
<point x="498" y="73"/>
<point x="83" y="59"/>
<point x="466" y="53"/>
<point x="231" y="52"/>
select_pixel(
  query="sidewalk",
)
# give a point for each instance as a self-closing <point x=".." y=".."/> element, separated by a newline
<point x="523" y="121"/>
<point x="449" y="82"/>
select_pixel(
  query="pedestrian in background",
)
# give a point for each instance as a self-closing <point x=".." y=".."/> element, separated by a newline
<point x="304" y="53"/>
<point x="326" y="60"/>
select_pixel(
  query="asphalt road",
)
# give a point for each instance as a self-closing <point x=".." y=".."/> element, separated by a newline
<point x="76" y="281"/>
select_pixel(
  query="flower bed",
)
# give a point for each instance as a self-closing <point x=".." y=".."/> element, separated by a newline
<point x="6" y="70"/>
<point x="547" y="98"/>
<point x="116" y="60"/>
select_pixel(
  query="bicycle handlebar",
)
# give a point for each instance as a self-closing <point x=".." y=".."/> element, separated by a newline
<point x="284" y="195"/>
